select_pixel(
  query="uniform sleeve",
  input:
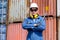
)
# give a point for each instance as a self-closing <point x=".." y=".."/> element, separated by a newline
<point x="42" y="25"/>
<point x="25" y="25"/>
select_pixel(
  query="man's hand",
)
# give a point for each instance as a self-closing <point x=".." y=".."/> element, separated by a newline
<point x="35" y="25"/>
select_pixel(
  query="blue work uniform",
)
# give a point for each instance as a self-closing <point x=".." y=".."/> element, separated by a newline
<point x="34" y="33"/>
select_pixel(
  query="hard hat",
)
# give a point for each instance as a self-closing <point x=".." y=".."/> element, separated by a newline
<point x="33" y="5"/>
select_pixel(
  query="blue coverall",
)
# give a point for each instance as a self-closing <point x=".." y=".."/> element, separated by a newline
<point x="34" y="33"/>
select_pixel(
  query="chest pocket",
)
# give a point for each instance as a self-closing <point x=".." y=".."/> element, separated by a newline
<point x="33" y="22"/>
<point x="30" y="22"/>
<point x="37" y="21"/>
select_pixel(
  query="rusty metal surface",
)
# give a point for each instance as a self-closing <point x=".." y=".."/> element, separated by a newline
<point x="50" y="4"/>
<point x="58" y="19"/>
<point x="50" y="32"/>
<point x="15" y="32"/>
<point x="48" y="7"/>
<point x="17" y="9"/>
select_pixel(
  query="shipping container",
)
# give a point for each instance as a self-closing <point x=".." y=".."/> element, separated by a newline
<point x="58" y="7"/>
<point x="58" y="27"/>
<point x="3" y="17"/>
<point x="17" y="9"/>
<point x="3" y="11"/>
<point x="2" y="32"/>
<point x="58" y="19"/>
<point x="15" y="32"/>
<point x="46" y="7"/>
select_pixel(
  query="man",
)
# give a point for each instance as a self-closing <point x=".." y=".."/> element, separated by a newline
<point x="35" y="24"/>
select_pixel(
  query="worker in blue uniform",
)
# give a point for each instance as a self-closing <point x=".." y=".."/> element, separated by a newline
<point x="35" y="24"/>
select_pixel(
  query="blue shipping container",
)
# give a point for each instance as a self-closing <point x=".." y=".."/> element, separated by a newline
<point x="2" y="32"/>
<point x="3" y="12"/>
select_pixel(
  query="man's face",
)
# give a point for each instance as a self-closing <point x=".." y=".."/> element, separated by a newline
<point x="33" y="10"/>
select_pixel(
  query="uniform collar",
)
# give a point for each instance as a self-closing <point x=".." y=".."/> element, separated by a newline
<point x="32" y="18"/>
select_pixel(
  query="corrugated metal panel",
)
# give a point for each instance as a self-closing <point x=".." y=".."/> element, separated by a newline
<point x="48" y="7"/>
<point x="50" y="32"/>
<point x="2" y="32"/>
<point x="17" y="9"/>
<point x="58" y="7"/>
<point x="3" y="13"/>
<point x="58" y="28"/>
<point x="15" y="32"/>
